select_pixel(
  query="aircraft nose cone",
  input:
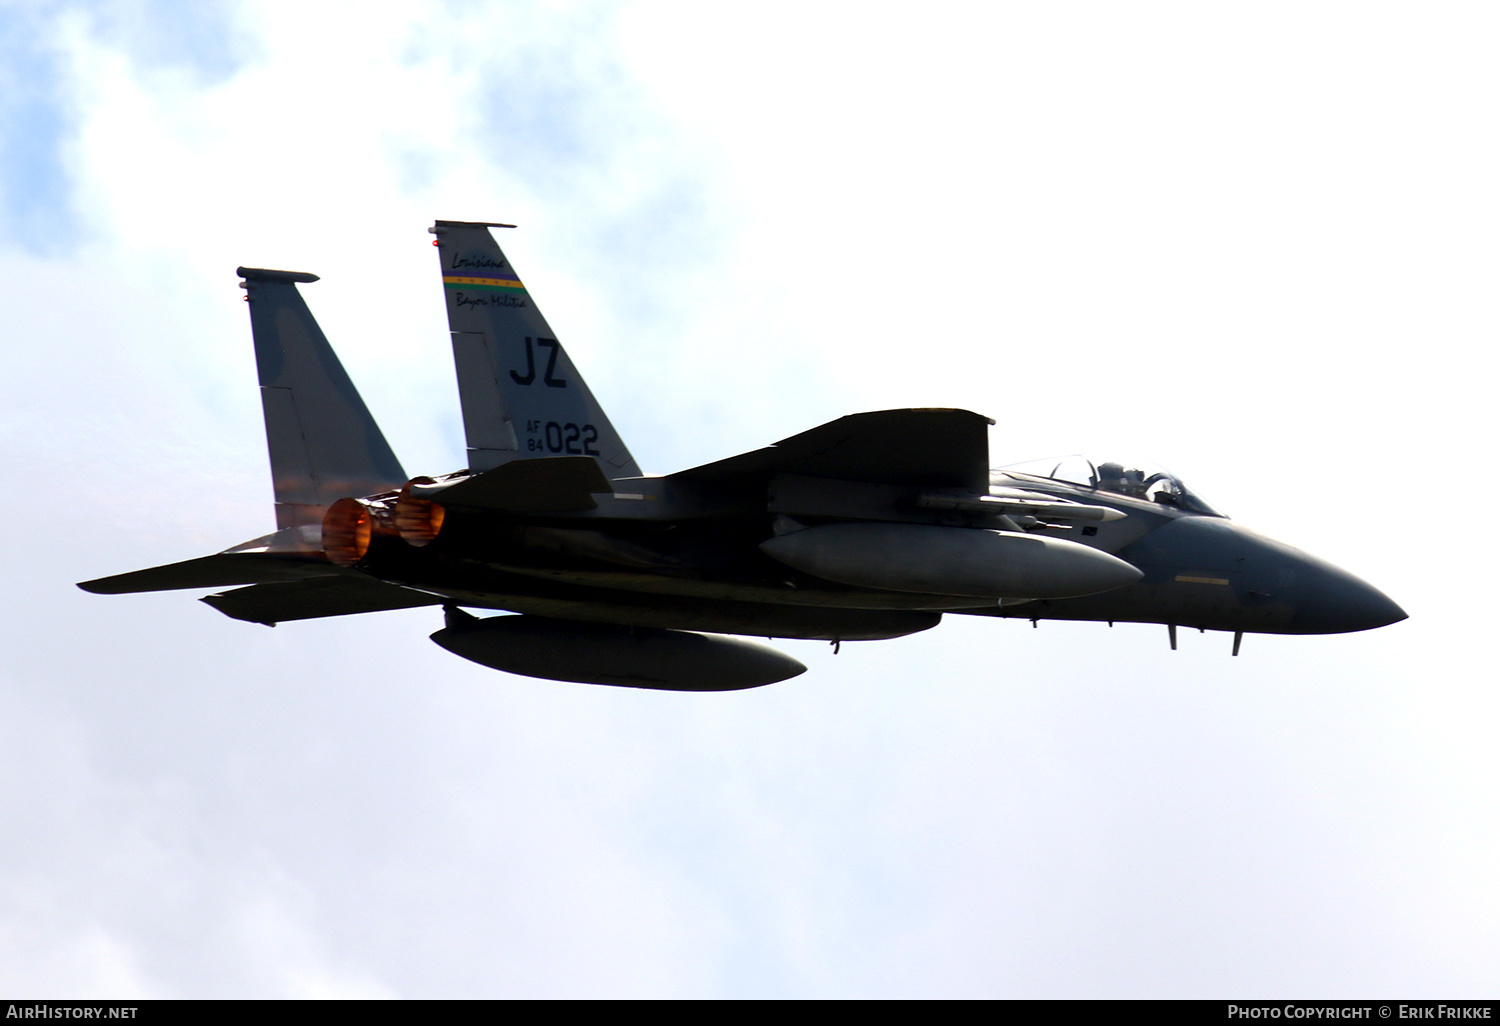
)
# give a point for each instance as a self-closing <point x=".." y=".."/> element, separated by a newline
<point x="1334" y="601"/>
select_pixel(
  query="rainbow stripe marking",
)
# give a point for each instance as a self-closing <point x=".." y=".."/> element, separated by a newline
<point x="487" y="284"/>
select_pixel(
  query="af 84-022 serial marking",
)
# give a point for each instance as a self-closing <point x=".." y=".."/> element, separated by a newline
<point x="568" y="439"/>
<point x="869" y="527"/>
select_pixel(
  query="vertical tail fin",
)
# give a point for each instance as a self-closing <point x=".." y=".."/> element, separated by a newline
<point x="521" y="395"/>
<point x="324" y="444"/>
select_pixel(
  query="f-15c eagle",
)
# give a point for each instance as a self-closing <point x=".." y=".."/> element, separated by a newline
<point x="870" y="527"/>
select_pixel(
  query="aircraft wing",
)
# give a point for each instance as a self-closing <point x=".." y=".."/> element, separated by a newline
<point x="936" y="448"/>
<point x="271" y="604"/>
<point x="214" y="571"/>
<point x="280" y="589"/>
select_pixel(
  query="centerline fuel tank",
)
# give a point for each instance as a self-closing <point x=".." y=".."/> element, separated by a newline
<point x="596" y="653"/>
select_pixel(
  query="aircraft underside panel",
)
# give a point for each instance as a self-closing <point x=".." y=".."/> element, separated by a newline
<point x="746" y="618"/>
<point x="736" y="591"/>
<point x="1211" y="604"/>
<point x="350" y="593"/>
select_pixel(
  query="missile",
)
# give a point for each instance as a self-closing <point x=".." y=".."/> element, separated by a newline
<point x="950" y="560"/>
<point x="598" y="653"/>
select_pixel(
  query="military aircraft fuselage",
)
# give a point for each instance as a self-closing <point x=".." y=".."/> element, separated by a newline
<point x="669" y="552"/>
<point x="869" y="527"/>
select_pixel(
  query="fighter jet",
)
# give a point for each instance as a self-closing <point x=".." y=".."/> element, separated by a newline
<point x="870" y="527"/>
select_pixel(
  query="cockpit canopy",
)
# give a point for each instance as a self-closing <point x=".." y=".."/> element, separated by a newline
<point x="1145" y="481"/>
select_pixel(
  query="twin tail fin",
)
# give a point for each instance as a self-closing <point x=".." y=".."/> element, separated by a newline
<point x="522" y="397"/>
<point x="324" y="444"/>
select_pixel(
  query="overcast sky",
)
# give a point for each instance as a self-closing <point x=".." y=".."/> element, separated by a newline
<point x="1255" y="243"/>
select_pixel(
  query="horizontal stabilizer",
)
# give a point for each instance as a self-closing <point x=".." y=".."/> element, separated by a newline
<point x="324" y="596"/>
<point x="938" y="448"/>
<point x="551" y="484"/>
<point x="215" y="571"/>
